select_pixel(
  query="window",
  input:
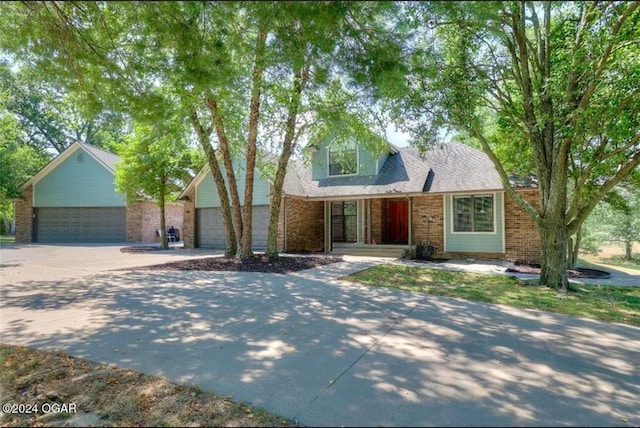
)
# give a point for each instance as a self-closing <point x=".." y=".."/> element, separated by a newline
<point x="343" y="159"/>
<point x="473" y="213"/>
<point x="344" y="222"/>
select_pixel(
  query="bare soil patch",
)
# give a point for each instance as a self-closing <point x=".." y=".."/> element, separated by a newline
<point x="571" y="273"/>
<point x="49" y="388"/>
<point x="258" y="263"/>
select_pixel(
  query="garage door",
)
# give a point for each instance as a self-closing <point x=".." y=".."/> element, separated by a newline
<point x="80" y="224"/>
<point x="210" y="227"/>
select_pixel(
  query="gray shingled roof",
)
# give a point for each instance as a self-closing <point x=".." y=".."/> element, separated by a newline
<point x="108" y="159"/>
<point x="451" y="167"/>
<point x="458" y="167"/>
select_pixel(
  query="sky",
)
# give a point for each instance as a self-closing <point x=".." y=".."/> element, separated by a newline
<point x="397" y="138"/>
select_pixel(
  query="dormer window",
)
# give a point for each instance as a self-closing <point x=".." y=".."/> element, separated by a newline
<point x="343" y="159"/>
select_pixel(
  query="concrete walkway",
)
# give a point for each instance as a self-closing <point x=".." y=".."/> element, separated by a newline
<point x="328" y="353"/>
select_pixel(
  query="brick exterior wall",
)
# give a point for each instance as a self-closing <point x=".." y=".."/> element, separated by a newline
<point x="305" y="225"/>
<point x="24" y="216"/>
<point x="188" y="233"/>
<point x="376" y="220"/>
<point x="430" y="205"/>
<point x="143" y="219"/>
<point x="522" y="242"/>
<point x="280" y="239"/>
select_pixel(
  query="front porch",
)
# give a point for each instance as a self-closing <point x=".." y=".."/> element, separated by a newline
<point x="371" y="250"/>
<point x="379" y="226"/>
<point x="368" y="227"/>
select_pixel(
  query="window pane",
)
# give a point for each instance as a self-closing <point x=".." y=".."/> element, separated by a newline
<point x="344" y="222"/>
<point x="350" y="226"/>
<point x="342" y="161"/>
<point x="461" y="214"/>
<point x="349" y="208"/>
<point x="336" y="208"/>
<point x="483" y="214"/>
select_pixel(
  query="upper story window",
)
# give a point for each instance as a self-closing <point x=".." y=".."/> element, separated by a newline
<point x="473" y="213"/>
<point x="343" y="159"/>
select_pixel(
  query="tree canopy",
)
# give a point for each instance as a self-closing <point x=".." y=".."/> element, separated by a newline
<point x="555" y="84"/>
<point x="219" y="64"/>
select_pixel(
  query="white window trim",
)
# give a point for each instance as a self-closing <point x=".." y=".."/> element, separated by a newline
<point x="343" y="175"/>
<point x="452" y="210"/>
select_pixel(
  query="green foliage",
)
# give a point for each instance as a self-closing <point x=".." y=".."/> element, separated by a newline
<point x="49" y="117"/>
<point x="157" y="162"/>
<point x="18" y="161"/>
<point x="616" y="219"/>
<point x="549" y="88"/>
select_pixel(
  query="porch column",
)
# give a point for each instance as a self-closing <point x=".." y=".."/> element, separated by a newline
<point x="410" y="215"/>
<point x="359" y="221"/>
<point x="327" y="227"/>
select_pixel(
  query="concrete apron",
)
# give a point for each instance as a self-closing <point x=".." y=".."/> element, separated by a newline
<point x="325" y="352"/>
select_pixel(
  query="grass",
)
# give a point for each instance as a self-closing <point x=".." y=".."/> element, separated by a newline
<point x="600" y="302"/>
<point x="619" y="261"/>
<point x="6" y="239"/>
<point x="110" y="396"/>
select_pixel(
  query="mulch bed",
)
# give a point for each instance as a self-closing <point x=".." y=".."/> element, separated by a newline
<point x="571" y="273"/>
<point x="258" y="263"/>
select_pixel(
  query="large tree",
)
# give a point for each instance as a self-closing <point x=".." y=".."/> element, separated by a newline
<point x="220" y="62"/>
<point x="51" y="118"/>
<point x="558" y="80"/>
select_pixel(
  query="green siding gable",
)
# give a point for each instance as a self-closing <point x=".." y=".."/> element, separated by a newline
<point x="369" y="163"/>
<point x="207" y="192"/>
<point x="478" y="242"/>
<point x="78" y="183"/>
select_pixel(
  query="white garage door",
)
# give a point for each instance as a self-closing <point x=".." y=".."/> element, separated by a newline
<point x="210" y="228"/>
<point x="80" y="225"/>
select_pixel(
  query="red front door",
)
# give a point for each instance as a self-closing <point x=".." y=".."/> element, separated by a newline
<point x="399" y="221"/>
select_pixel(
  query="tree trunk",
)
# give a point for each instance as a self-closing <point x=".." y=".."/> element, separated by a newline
<point x="203" y="137"/>
<point x="13" y="221"/>
<point x="574" y="249"/>
<point x="254" y="118"/>
<point x="5" y="221"/>
<point x="164" y="244"/>
<point x="301" y="78"/>
<point x="236" y="210"/>
<point x="553" y="261"/>
<point x="628" y="246"/>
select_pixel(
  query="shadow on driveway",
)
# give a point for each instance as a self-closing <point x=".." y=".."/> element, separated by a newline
<point x="337" y="354"/>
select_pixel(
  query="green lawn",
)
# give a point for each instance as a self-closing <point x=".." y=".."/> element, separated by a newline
<point x="601" y="302"/>
<point x="4" y="239"/>
<point x="619" y="261"/>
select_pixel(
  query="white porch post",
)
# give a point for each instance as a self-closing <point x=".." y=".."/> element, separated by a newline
<point x="410" y="215"/>
<point x="359" y="221"/>
<point x="327" y="227"/>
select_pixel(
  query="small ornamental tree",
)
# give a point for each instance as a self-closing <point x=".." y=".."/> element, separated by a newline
<point x="157" y="163"/>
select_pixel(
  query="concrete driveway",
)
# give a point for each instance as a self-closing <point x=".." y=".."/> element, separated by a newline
<point x="328" y="353"/>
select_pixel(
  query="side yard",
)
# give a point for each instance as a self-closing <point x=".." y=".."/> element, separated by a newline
<point x="600" y="302"/>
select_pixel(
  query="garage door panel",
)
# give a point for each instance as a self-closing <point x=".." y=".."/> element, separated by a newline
<point x="81" y="224"/>
<point x="210" y="227"/>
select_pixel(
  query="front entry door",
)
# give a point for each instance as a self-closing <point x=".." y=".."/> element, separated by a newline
<point x="399" y="221"/>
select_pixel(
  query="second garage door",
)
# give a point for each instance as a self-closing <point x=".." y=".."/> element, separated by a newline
<point x="210" y="227"/>
<point x="80" y="224"/>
